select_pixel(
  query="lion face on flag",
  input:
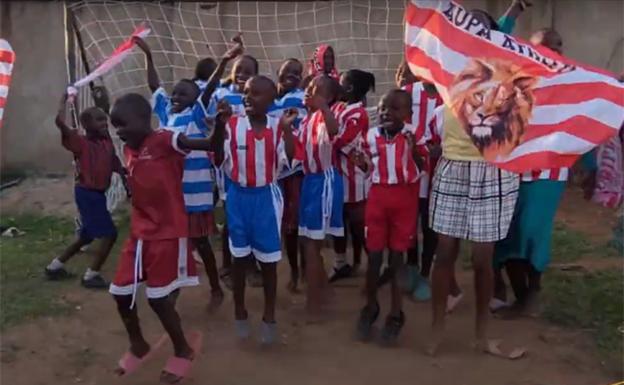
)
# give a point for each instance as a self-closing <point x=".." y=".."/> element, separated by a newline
<point x="493" y="101"/>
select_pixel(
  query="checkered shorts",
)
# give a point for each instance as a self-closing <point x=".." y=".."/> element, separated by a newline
<point x="472" y="200"/>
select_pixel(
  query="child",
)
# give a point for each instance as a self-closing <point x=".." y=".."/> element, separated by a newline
<point x="185" y="112"/>
<point x="323" y="62"/>
<point x="289" y="95"/>
<point x="320" y="210"/>
<point x="252" y="150"/>
<point x="424" y="102"/>
<point x="203" y="71"/>
<point x="392" y="159"/>
<point x="95" y="160"/>
<point x="157" y="250"/>
<point x="231" y="91"/>
<point x="353" y="120"/>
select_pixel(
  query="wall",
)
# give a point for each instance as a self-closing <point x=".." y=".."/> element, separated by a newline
<point x="592" y="31"/>
<point x="36" y="31"/>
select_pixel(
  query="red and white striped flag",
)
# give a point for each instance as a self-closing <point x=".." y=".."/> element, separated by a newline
<point x="7" y="58"/>
<point x="524" y="107"/>
<point x="118" y="55"/>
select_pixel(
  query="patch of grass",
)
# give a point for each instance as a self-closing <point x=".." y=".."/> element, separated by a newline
<point x="24" y="292"/>
<point x="568" y="246"/>
<point x="590" y="301"/>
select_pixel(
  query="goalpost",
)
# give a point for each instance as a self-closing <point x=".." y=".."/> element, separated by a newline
<point x="365" y="34"/>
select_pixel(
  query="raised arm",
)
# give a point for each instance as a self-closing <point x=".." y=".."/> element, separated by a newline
<point x="61" y="118"/>
<point x="507" y="22"/>
<point x="152" y="75"/>
<point x="230" y="54"/>
<point x="286" y="126"/>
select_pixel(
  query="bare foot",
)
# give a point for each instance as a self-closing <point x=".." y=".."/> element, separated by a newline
<point x="493" y="347"/>
<point x="216" y="299"/>
<point x="431" y="349"/>
<point x="292" y="287"/>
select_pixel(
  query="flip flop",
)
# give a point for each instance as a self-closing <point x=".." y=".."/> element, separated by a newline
<point x="180" y="367"/>
<point x="452" y="302"/>
<point x="493" y="347"/>
<point x="130" y="363"/>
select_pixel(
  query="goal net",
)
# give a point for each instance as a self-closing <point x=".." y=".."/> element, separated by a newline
<point x="365" y="34"/>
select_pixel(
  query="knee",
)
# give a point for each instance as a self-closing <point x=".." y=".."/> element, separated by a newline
<point x="444" y="260"/>
<point x="482" y="263"/>
<point x="374" y="261"/>
<point x="396" y="260"/>
<point x="123" y="300"/>
<point x="202" y="244"/>
<point x="158" y="304"/>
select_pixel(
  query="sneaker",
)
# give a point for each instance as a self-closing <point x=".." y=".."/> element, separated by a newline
<point x="408" y="277"/>
<point x="243" y="330"/>
<point x="365" y="323"/>
<point x="422" y="292"/>
<point x="95" y="282"/>
<point x="343" y="272"/>
<point x="268" y="333"/>
<point x="392" y="328"/>
<point x="57" y="274"/>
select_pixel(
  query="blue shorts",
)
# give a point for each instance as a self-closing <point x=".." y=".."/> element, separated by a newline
<point x="96" y="221"/>
<point x="254" y="217"/>
<point x="320" y="205"/>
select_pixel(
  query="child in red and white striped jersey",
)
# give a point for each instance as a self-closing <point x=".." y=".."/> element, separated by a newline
<point x="353" y="120"/>
<point x="394" y="161"/>
<point x="425" y="100"/>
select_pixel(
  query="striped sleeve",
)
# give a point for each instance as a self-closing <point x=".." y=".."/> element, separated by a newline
<point x="160" y="105"/>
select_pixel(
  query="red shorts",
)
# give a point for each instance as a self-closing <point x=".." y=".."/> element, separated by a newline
<point x="291" y="186"/>
<point x="167" y="265"/>
<point x="391" y="217"/>
<point x="201" y="224"/>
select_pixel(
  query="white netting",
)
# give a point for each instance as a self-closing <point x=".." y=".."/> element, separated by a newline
<point x="365" y="34"/>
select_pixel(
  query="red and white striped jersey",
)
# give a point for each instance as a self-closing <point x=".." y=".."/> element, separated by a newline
<point x="557" y="174"/>
<point x="253" y="159"/>
<point x="391" y="158"/>
<point x="423" y="119"/>
<point x="353" y="120"/>
<point x="316" y="146"/>
<point x="423" y="110"/>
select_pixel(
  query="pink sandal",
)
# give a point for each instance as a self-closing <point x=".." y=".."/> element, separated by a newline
<point x="180" y="367"/>
<point x="130" y="363"/>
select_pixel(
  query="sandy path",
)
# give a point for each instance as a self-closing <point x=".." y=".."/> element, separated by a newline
<point x="83" y="348"/>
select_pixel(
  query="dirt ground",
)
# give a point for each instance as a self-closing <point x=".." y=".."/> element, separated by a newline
<point x="84" y="348"/>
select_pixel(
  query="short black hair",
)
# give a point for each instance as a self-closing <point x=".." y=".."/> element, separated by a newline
<point x="87" y="114"/>
<point x="407" y="98"/>
<point x="267" y="80"/>
<point x="204" y="68"/>
<point x="192" y="84"/>
<point x="362" y="82"/>
<point x="254" y="60"/>
<point x="333" y="86"/>
<point x="136" y="103"/>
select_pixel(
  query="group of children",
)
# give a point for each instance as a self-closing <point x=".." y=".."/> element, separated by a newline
<point x="293" y="163"/>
